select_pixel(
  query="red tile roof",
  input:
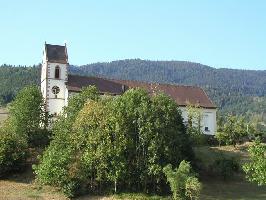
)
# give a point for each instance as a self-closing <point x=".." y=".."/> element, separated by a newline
<point x="183" y="95"/>
<point x="75" y="84"/>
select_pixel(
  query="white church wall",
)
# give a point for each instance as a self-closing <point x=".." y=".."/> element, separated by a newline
<point x="55" y="106"/>
<point x="54" y="102"/>
<point x="208" y="121"/>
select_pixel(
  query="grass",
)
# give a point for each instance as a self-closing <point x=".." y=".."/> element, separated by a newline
<point x="207" y="155"/>
<point x="235" y="190"/>
<point x="22" y="186"/>
<point x="139" y="196"/>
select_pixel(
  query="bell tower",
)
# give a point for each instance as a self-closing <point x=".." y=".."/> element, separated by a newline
<point x="54" y="77"/>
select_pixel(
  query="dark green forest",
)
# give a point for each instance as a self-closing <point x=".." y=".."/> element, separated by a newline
<point x="241" y="92"/>
<point x="14" y="78"/>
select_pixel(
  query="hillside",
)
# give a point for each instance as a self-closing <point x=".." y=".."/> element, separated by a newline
<point x="13" y="79"/>
<point x="234" y="91"/>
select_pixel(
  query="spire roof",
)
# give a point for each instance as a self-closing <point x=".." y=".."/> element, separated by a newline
<point x="56" y="53"/>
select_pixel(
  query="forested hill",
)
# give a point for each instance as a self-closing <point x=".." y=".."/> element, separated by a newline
<point x="248" y="82"/>
<point x="13" y="79"/>
<point x="236" y="91"/>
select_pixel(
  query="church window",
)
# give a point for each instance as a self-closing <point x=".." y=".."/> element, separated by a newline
<point x="57" y="72"/>
<point x="55" y="90"/>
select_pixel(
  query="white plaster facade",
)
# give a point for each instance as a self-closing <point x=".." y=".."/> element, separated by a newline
<point x="54" y="102"/>
<point x="208" y="119"/>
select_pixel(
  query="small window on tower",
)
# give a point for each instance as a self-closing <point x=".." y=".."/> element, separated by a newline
<point x="57" y="72"/>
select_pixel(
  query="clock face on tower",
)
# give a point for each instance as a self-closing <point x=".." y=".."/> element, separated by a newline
<point x="55" y="90"/>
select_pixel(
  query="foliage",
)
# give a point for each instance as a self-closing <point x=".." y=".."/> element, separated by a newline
<point x="225" y="167"/>
<point x="255" y="129"/>
<point x="233" y="130"/>
<point x="182" y="181"/>
<point x="256" y="169"/>
<point x="25" y="126"/>
<point x="13" y="79"/>
<point x="13" y="152"/>
<point x="194" y="125"/>
<point x="58" y="161"/>
<point x="27" y="116"/>
<point x="120" y="143"/>
<point x="193" y="188"/>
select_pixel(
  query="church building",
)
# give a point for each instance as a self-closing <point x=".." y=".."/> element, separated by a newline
<point x="57" y="85"/>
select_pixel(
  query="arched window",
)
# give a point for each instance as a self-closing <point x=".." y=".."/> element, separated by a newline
<point x="57" y="72"/>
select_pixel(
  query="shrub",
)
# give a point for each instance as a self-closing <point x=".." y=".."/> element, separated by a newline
<point x="194" y="125"/>
<point x="255" y="169"/>
<point x="225" y="167"/>
<point x="182" y="181"/>
<point x="13" y="152"/>
<point x="193" y="187"/>
<point x="25" y="127"/>
<point x="233" y="131"/>
<point x="41" y="138"/>
<point x="27" y="117"/>
<point x="59" y="164"/>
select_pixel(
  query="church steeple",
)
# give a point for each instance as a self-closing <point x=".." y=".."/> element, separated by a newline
<point x="54" y="77"/>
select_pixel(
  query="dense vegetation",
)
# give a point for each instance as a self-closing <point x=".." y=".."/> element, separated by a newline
<point x="115" y="144"/>
<point x="13" y="79"/>
<point x="25" y="127"/>
<point x="183" y="181"/>
<point x="256" y="168"/>
<point x="233" y="91"/>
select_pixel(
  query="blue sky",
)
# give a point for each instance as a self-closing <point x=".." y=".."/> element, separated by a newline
<point x="226" y="33"/>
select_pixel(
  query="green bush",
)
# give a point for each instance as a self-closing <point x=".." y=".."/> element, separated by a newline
<point x="40" y="138"/>
<point x="25" y="127"/>
<point x="13" y="152"/>
<point x="255" y="169"/>
<point x="233" y="131"/>
<point x="193" y="187"/>
<point x="225" y="167"/>
<point x="182" y="181"/>
<point x="59" y="164"/>
<point x="115" y="144"/>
